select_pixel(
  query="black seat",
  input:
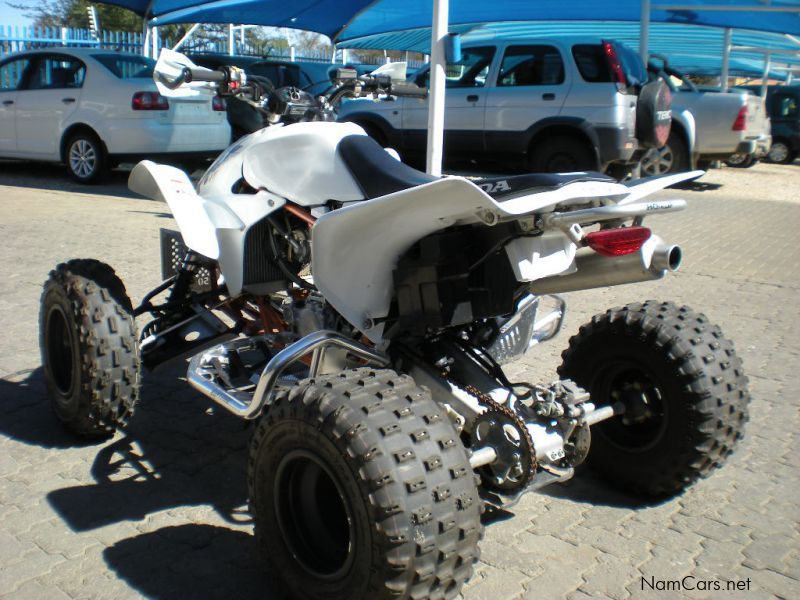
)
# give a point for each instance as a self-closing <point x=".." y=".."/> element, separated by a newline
<point x="378" y="174"/>
<point x="508" y="188"/>
<point x="376" y="171"/>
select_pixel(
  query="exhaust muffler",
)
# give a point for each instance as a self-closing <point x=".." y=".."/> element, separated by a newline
<point x="653" y="260"/>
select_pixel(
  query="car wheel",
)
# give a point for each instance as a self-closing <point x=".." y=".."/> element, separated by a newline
<point x="561" y="154"/>
<point x="86" y="158"/>
<point x="780" y="153"/>
<point x="741" y="161"/>
<point x="670" y="158"/>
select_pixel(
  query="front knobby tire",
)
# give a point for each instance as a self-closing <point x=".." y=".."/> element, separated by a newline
<point x="90" y="356"/>
<point x="683" y="388"/>
<point x="360" y="488"/>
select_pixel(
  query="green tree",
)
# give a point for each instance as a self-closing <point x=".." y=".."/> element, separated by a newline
<point x="73" y="13"/>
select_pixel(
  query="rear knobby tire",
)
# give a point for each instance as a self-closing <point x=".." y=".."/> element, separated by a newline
<point x="360" y="488"/>
<point x="693" y="383"/>
<point x="90" y="356"/>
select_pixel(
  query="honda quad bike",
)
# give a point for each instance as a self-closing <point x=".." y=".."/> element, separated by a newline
<point x="360" y="312"/>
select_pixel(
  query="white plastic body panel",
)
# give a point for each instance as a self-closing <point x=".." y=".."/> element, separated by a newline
<point x="213" y="226"/>
<point x="356" y="248"/>
<point x="300" y="163"/>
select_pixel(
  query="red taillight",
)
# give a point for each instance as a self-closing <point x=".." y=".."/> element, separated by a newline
<point x="218" y="104"/>
<point x="617" y="242"/>
<point x="740" y="124"/>
<point x="149" y="101"/>
<point x="615" y="64"/>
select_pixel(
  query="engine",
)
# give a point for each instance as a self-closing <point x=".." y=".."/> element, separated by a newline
<point x="452" y="278"/>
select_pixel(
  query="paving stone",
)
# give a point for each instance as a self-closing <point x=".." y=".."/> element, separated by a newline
<point x="111" y="520"/>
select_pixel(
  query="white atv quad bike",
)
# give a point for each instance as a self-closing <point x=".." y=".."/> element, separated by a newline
<point x="359" y="312"/>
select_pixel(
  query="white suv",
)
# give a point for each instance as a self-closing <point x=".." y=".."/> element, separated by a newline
<point x="92" y="108"/>
<point x="555" y="105"/>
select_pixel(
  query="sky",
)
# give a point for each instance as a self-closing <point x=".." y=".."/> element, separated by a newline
<point x="11" y="16"/>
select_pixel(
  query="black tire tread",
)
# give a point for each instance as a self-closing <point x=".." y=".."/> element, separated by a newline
<point x="713" y="382"/>
<point x="109" y="356"/>
<point x="427" y="514"/>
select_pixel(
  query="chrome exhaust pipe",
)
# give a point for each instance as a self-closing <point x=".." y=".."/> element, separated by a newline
<point x="651" y="262"/>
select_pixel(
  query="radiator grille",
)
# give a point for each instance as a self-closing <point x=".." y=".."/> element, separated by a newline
<point x="259" y="262"/>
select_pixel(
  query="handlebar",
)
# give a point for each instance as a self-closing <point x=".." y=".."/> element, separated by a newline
<point x="206" y="75"/>
<point x="229" y="79"/>
<point x="405" y="88"/>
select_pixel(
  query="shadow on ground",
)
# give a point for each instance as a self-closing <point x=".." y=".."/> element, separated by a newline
<point x="26" y="416"/>
<point x="697" y="186"/>
<point x="192" y="561"/>
<point x="589" y="488"/>
<point x="172" y="454"/>
<point x="45" y="176"/>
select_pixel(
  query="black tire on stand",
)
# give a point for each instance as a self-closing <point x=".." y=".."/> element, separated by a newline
<point x="360" y="488"/>
<point x="682" y="386"/>
<point x="89" y="350"/>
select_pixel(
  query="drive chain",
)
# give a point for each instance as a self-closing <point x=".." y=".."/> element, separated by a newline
<point x="493" y="406"/>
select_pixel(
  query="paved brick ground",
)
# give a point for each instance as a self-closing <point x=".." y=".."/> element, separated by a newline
<point x="158" y="511"/>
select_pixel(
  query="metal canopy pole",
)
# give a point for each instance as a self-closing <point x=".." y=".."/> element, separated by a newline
<point x="186" y="36"/>
<point x="765" y="76"/>
<point x="726" y="59"/>
<point x="644" y="31"/>
<point x="156" y="41"/>
<point x="231" y="39"/>
<point x="436" y="95"/>
<point x="146" y="39"/>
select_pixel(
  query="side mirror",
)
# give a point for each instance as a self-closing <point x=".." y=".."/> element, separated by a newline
<point x="452" y="47"/>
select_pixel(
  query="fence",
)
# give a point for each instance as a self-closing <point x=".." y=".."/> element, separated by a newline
<point x="17" y="39"/>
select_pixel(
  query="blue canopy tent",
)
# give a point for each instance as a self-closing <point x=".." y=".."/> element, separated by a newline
<point x="347" y="19"/>
<point x="344" y="20"/>
<point x="692" y="49"/>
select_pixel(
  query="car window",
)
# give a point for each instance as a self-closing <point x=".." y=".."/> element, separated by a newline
<point x="592" y="65"/>
<point x="11" y="74"/>
<point x="57" y="72"/>
<point x="531" y="65"/>
<point x="127" y="67"/>
<point x="786" y="106"/>
<point x="470" y="71"/>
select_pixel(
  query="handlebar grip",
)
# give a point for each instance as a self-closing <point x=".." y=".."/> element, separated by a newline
<point x="404" y="88"/>
<point x="206" y="75"/>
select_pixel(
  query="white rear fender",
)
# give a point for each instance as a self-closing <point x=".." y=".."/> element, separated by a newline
<point x="191" y="212"/>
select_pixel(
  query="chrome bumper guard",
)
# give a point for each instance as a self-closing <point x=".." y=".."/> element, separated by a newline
<point x="208" y="371"/>
<point x="521" y="331"/>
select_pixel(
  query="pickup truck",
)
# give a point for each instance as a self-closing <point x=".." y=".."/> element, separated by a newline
<point x="544" y="105"/>
<point x="709" y="125"/>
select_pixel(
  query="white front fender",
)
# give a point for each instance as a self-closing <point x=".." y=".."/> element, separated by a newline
<point x="197" y="219"/>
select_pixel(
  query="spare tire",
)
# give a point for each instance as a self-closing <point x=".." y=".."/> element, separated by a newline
<point x="654" y="114"/>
